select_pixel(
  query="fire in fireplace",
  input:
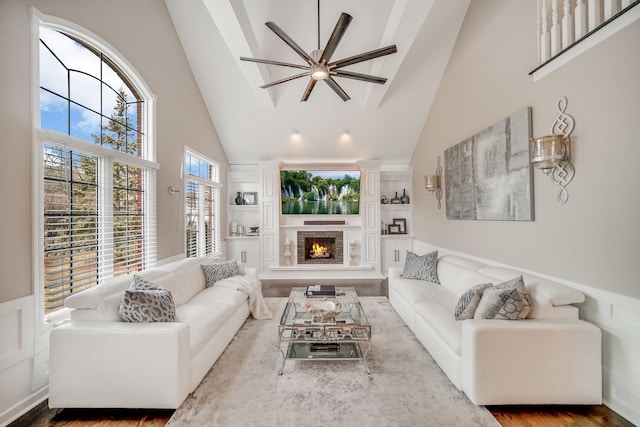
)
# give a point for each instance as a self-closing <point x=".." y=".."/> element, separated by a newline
<point x="319" y="251"/>
<point x="320" y="247"/>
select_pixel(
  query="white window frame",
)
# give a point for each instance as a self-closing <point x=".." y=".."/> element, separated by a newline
<point x="41" y="137"/>
<point x="216" y="186"/>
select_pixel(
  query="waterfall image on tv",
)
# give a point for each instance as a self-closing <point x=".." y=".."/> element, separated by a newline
<point x="320" y="192"/>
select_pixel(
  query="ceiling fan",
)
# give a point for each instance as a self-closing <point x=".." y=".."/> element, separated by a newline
<point x="319" y="67"/>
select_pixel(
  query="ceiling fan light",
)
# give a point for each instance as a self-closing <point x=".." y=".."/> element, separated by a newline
<point x="319" y="72"/>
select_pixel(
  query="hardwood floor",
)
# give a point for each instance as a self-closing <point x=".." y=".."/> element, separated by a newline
<point x="507" y="416"/>
<point x="558" y="416"/>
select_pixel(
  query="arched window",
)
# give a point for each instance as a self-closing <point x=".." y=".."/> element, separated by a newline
<point x="96" y="165"/>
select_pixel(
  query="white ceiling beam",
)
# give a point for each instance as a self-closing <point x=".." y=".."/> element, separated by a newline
<point x="405" y="21"/>
<point x="233" y="24"/>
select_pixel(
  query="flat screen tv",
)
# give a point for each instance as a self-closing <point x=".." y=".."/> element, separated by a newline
<point x="318" y="192"/>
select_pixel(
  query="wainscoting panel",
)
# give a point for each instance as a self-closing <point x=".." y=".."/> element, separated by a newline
<point x="17" y="328"/>
<point x="618" y="317"/>
<point x="16" y="331"/>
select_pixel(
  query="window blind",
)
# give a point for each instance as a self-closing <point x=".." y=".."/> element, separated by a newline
<point x="202" y="196"/>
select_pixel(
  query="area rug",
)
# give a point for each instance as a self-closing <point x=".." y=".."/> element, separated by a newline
<point x="405" y="388"/>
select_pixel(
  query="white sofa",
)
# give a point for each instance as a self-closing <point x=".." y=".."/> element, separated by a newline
<point x="99" y="361"/>
<point x="552" y="357"/>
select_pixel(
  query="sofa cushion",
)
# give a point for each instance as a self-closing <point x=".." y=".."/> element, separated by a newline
<point x="207" y="312"/>
<point x="468" y="302"/>
<point x="437" y="314"/>
<point x="146" y="302"/>
<point x="188" y="279"/>
<point x="459" y="274"/>
<point x="218" y="271"/>
<point x="493" y="299"/>
<point x="421" y="267"/>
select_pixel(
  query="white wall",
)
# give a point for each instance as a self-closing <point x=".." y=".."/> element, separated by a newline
<point x="143" y="33"/>
<point x="593" y="238"/>
<point x="593" y="241"/>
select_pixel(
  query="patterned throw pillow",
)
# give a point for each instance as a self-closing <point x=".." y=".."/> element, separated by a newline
<point x="508" y="300"/>
<point x="468" y="302"/>
<point x="146" y="302"/>
<point x="219" y="271"/>
<point x="517" y="307"/>
<point x="421" y="267"/>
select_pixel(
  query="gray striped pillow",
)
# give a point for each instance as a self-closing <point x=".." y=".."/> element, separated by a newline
<point x="218" y="271"/>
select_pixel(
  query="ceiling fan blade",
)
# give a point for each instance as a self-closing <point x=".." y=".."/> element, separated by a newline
<point x="286" y="79"/>
<point x="337" y="89"/>
<point x="336" y="36"/>
<point x="288" y="40"/>
<point x="307" y="91"/>
<point x="268" y="61"/>
<point x="363" y="77"/>
<point x="372" y="54"/>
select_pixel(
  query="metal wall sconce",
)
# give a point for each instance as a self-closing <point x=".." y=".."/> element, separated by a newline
<point x="432" y="183"/>
<point x="552" y="153"/>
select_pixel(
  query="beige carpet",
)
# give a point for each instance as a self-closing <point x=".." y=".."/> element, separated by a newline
<point x="406" y="387"/>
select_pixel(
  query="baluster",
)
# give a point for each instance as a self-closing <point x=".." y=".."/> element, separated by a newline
<point x="556" y="40"/>
<point x="544" y="33"/>
<point x="595" y="14"/>
<point x="567" y="25"/>
<point x="580" y="19"/>
<point x="610" y="8"/>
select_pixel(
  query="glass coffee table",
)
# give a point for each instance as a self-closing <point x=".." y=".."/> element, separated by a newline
<point x="324" y="328"/>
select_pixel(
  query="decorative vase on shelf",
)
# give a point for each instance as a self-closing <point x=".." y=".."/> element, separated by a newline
<point x="239" y="199"/>
<point x="396" y="200"/>
<point x="404" y="198"/>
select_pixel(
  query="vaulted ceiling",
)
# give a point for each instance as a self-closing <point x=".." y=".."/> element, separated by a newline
<point x="382" y="121"/>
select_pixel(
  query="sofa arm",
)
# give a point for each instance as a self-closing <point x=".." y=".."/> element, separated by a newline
<point x="119" y="365"/>
<point x="534" y="361"/>
<point x="394" y="273"/>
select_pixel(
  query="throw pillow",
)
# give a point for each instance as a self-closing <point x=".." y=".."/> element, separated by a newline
<point x="495" y="298"/>
<point x="146" y="302"/>
<point x="517" y="307"/>
<point x="421" y="267"/>
<point x="142" y="284"/>
<point x="219" y="271"/>
<point x="468" y="302"/>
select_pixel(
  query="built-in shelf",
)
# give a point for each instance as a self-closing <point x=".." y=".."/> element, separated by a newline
<point x="242" y="237"/>
<point x="395" y="206"/>
<point x="395" y="236"/>
<point x="244" y="207"/>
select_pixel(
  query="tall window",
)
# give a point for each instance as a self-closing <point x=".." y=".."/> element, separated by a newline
<point x="202" y="205"/>
<point x="96" y="168"/>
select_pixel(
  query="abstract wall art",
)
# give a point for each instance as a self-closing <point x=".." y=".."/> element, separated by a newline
<point x="488" y="176"/>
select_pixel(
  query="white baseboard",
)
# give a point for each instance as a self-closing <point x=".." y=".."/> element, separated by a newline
<point x="618" y="317"/>
<point x="24" y="406"/>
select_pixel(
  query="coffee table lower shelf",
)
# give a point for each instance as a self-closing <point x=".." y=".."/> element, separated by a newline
<point x="343" y="350"/>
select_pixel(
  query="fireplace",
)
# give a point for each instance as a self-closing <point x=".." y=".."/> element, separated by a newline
<point x="320" y="247"/>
